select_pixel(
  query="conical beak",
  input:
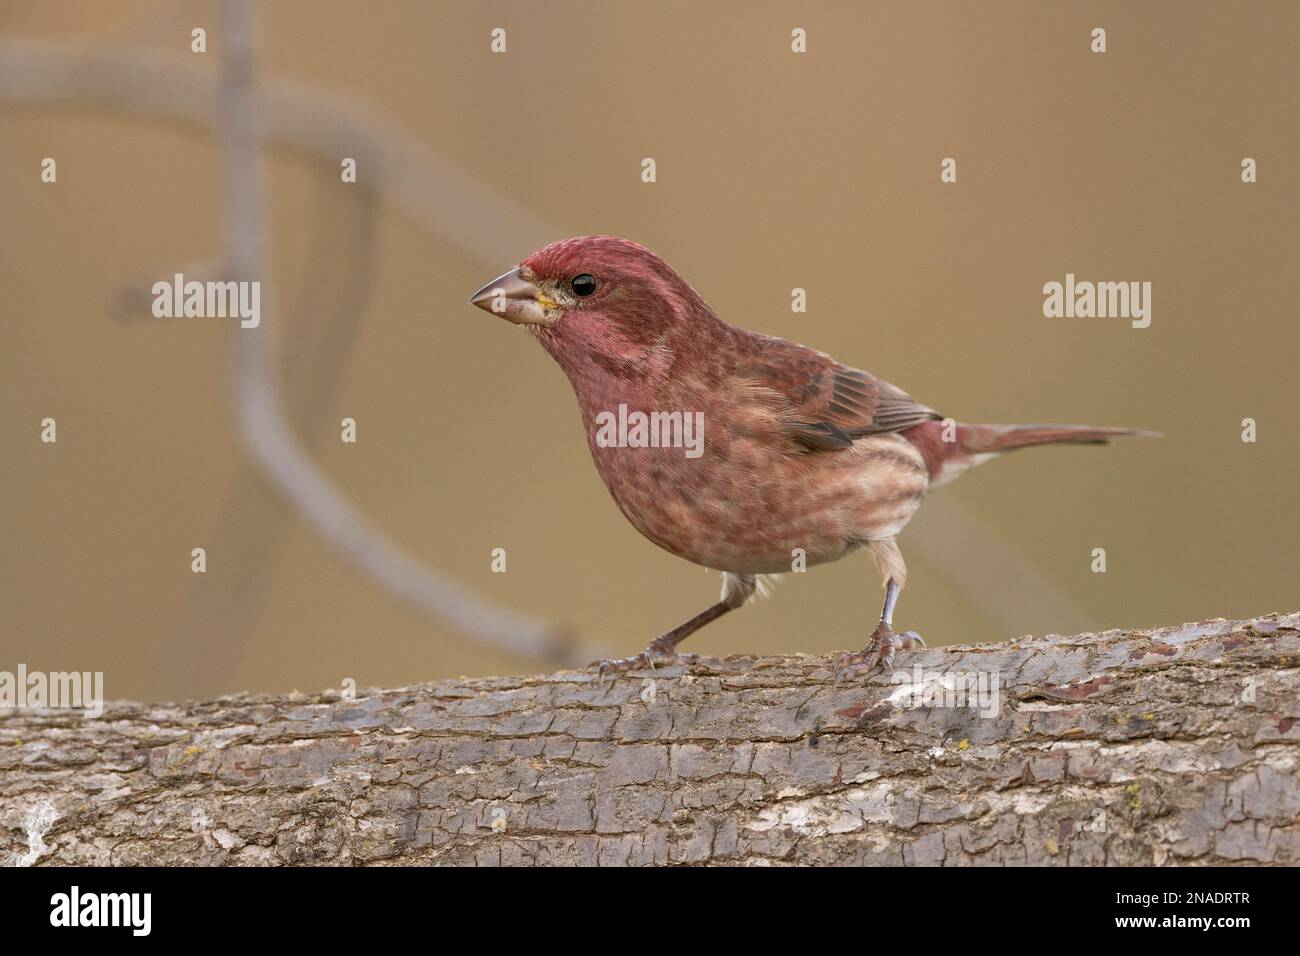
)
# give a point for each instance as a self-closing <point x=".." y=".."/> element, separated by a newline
<point x="513" y="297"/>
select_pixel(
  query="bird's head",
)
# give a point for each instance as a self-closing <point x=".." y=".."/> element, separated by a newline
<point x="597" y="294"/>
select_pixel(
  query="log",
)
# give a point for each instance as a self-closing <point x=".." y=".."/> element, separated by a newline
<point x="1162" y="747"/>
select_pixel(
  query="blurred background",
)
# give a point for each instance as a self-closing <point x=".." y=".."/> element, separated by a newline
<point x="775" y="170"/>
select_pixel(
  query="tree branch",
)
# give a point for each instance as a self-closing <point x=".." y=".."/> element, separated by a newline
<point x="437" y="194"/>
<point x="1171" y="746"/>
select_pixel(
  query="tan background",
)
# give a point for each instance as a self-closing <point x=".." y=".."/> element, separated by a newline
<point x="775" y="171"/>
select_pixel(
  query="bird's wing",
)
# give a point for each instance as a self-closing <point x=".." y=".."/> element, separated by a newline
<point x="826" y="404"/>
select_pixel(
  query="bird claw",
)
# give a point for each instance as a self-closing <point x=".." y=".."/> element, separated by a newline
<point x="879" y="652"/>
<point x="650" y="659"/>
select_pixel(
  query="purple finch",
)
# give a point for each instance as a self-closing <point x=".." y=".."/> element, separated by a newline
<point x="800" y="457"/>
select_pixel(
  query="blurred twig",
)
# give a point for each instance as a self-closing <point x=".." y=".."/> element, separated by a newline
<point x="263" y="423"/>
<point x="443" y="199"/>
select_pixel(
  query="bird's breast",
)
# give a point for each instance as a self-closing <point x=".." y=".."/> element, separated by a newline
<point x="737" y="496"/>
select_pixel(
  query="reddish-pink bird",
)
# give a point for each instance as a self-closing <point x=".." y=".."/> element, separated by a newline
<point x="799" y="455"/>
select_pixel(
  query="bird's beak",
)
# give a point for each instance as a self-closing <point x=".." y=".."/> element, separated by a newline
<point x="513" y="297"/>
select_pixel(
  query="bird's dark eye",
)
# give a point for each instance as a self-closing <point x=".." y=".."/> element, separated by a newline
<point x="583" y="285"/>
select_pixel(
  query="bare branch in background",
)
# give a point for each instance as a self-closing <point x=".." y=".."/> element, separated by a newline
<point x="263" y="423"/>
<point x="37" y="71"/>
<point x="438" y="195"/>
<point x="443" y="199"/>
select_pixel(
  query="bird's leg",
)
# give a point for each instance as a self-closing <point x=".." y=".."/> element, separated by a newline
<point x="884" y="642"/>
<point x="662" y="652"/>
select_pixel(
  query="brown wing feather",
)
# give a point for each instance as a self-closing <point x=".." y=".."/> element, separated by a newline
<point x="829" y="404"/>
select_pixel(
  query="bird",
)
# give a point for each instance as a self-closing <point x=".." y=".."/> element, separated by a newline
<point x="795" y="456"/>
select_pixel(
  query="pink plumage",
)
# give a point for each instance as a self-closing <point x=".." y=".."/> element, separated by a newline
<point x="801" y="458"/>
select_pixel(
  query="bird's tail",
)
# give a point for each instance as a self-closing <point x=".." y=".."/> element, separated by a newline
<point x="980" y="439"/>
<point x="950" y="448"/>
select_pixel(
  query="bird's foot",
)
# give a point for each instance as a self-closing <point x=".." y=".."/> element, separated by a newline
<point x="652" y="658"/>
<point x="878" y="653"/>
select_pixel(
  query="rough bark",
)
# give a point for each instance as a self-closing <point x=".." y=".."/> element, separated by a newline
<point x="1170" y="746"/>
